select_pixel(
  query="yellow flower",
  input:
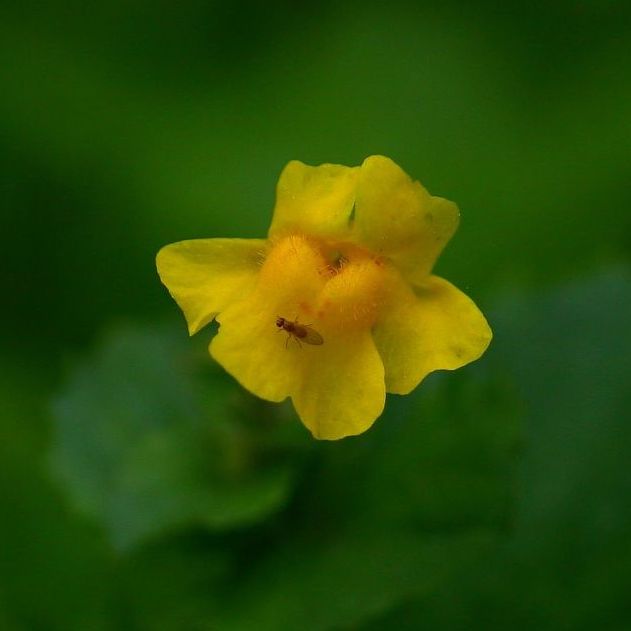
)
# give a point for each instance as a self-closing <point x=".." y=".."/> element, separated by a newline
<point x="338" y="305"/>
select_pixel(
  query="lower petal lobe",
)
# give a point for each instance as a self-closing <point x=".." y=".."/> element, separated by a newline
<point x="337" y="386"/>
<point x="249" y="344"/>
<point x="342" y="393"/>
<point x="205" y="275"/>
<point x="435" y="327"/>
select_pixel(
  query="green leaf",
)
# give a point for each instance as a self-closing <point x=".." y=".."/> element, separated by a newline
<point x="314" y="582"/>
<point x="151" y="438"/>
<point x="566" y="561"/>
<point x="55" y="569"/>
<point x="175" y="584"/>
<point x="569" y="352"/>
<point x="440" y="460"/>
<point x="397" y="512"/>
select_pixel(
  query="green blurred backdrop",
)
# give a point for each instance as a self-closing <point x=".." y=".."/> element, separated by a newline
<point x="140" y="488"/>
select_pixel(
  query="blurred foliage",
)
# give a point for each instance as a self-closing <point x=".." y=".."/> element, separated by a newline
<point x="566" y="563"/>
<point x="145" y="448"/>
<point x="151" y="443"/>
<point x="140" y="488"/>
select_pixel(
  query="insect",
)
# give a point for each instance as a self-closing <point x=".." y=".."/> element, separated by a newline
<point x="299" y="332"/>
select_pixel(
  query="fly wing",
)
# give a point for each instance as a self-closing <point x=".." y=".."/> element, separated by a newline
<point x="312" y="336"/>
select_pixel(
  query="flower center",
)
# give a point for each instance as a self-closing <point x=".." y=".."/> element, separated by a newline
<point x="331" y="286"/>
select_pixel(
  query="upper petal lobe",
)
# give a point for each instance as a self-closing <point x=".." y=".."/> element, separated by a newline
<point x="397" y="218"/>
<point x="314" y="200"/>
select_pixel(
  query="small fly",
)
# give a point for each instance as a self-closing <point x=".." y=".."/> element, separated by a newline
<point x="299" y="332"/>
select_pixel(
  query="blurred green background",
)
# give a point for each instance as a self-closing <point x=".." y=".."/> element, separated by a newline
<point x="142" y="489"/>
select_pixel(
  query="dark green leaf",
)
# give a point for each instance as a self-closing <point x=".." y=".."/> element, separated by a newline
<point x="147" y="444"/>
<point x="565" y="563"/>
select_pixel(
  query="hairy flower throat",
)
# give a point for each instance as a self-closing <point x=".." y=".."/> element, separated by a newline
<point x="336" y="285"/>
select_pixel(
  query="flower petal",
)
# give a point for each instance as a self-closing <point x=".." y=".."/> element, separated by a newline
<point x="436" y="327"/>
<point x="337" y="386"/>
<point x="205" y="275"/>
<point x="314" y="200"/>
<point x="397" y="218"/>
<point x="249" y="345"/>
<point x="342" y="390"/>
<point x="251" y="348"/>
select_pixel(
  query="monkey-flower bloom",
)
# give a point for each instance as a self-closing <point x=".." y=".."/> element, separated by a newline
<point x="338" y="305"/>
